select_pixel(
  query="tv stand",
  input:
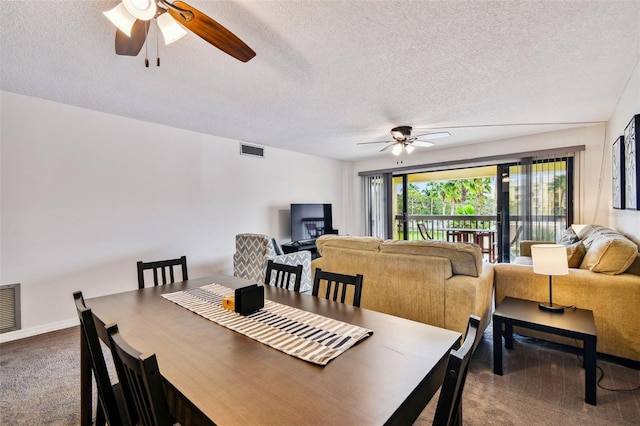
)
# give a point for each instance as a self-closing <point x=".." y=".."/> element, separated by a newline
<point x="296" y="246"/>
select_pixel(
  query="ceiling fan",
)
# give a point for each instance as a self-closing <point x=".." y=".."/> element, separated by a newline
<point x="132" y="19"/>
<point x="402" y="140"/>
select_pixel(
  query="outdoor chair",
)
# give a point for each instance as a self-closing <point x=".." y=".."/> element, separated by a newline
<point x="424" y="233"/>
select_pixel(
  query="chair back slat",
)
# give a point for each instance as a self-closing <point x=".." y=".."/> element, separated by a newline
<point x="163" y="266"/>
<point x="284" y="275"/>
<point x="337" y="284"/>
<point x="449" y="408"/>
<point x="141" y="381"/>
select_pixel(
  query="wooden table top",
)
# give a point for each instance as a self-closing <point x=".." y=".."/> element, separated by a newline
<point x="387" y="378"/>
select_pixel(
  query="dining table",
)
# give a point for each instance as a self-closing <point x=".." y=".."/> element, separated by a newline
<point x="213" y="375"/>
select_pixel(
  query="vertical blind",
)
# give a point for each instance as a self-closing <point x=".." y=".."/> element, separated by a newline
<point x="541" y="196"/>
<point x="375" y="205"/>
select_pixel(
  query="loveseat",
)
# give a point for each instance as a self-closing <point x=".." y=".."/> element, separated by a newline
<point x="434" y="282"/>
<point x="604" y="276"/>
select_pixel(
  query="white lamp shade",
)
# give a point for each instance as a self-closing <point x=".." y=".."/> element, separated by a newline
<point x="141" y="9"/>
<point x="171" y="30"/>
<point x="549" y="259"/>
<point x="121" y="18"/>
<point x="409" y="149"/>
<point x="397" y="149"/>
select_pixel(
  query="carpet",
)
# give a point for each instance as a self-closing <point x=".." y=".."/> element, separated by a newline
<point x="543" y="384"/>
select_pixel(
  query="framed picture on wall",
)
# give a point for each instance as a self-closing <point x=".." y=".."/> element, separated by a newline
<point x="618" y="173"/>
<point x="631" y="160"/>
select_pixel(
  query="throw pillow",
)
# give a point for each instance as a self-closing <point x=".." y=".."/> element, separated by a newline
<point x="568" y="237"/>
<point x="575" y="254"/>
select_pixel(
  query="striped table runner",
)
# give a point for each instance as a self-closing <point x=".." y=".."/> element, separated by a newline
<point x="305" y="335"/>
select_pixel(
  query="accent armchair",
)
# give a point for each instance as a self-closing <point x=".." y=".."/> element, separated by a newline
<point x="253" y="251"/>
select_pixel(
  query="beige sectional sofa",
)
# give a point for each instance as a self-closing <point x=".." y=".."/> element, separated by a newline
<point x="433" y="282"/>
<point x="604" y="276"/>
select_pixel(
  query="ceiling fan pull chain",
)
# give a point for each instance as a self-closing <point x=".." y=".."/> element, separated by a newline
<point x="146" y="46"/>
<point x="157" y="47"/>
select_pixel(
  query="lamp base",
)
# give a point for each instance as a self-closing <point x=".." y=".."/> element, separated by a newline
<point x="556" y="309"/>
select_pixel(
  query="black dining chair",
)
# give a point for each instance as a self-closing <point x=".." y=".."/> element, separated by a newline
<point x="163" y="266"/>
<point x="284" y="274"/>
<point x="141" y="381"/>
<point x="111" y="406"/>
<point x="337" y="284"/>
<point x="449" y="408"/>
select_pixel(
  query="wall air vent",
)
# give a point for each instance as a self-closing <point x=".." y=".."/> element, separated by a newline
<point x="9" y="307"/>
<point x="251" y="150"/>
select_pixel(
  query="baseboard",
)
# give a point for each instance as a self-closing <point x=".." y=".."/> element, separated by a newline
<point x="34" y="331"/>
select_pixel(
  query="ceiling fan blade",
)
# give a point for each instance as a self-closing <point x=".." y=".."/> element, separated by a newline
<point x="387" y="147"/>
<point x="368" y="143"/>
<point x="425" y="144"/>
<point x="436" y="135"/>
<point x="131" y="46"/>
<point x="211" y="31"/>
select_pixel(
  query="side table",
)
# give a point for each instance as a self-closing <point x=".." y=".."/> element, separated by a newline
<point x="573" y="323"/>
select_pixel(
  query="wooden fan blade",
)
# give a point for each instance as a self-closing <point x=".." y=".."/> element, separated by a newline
<point x="131" y="46"/>
<point x="387" y="147"/>
<point x="212" y="32"/>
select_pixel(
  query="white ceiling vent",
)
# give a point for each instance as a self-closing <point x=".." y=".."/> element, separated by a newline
<point x="251" y="150"/>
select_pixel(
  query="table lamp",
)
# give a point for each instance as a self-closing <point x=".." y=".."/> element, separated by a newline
<point x="550" y="259"/>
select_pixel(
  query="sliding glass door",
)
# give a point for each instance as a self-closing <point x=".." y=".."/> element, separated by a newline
<point x="528" y="199"/>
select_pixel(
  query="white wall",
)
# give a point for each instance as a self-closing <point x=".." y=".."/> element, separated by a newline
<point x="85" y="195"/>
<point x="627" y="221"/>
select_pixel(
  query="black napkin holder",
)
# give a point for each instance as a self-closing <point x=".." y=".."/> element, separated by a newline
<point x="249" y="299"/>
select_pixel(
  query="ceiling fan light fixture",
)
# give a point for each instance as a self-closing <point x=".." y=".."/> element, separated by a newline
<point x="409" y="149"/>
<point x="171" y="30"/>
<point x="397" y="149"/>
<point x="141" y="9"/>
<point x="121" y="18"/>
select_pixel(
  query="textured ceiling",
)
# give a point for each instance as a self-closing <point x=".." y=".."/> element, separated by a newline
<point x="330" y="74"/>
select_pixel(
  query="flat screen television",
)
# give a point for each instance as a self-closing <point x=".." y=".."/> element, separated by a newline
<point x="309" y="221"/>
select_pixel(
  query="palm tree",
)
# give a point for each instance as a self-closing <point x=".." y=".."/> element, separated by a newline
<point x="479" y="187"/>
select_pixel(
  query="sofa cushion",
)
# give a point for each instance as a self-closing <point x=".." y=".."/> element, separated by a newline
<point x="466" y="258"/>
<point x="608" y="251"/>
<point x="575" y="254"/>
<point x="348" y="242"/>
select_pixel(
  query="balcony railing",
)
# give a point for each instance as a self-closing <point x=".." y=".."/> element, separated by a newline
<point x="544" y="228"/>
<point x="437" y="225"/>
